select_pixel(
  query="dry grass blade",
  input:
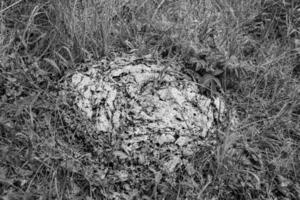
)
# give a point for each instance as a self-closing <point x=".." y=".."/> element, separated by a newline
<point x="53" y="64"/>
<point x="156" y="10"/>
<point x="10" y="6"/>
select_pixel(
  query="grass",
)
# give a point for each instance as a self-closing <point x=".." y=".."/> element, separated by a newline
<point x="49" y="150"/>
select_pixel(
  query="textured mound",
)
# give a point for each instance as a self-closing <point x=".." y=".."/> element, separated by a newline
<point x="146" y="107"/>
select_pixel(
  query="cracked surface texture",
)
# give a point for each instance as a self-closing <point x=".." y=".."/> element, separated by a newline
<point x="146" y="103"/>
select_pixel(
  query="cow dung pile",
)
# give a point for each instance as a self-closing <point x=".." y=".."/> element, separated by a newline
<point x="150" y="112"/>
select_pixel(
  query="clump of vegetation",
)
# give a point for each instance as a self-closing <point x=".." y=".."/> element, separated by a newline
<point x="49" y="150"/>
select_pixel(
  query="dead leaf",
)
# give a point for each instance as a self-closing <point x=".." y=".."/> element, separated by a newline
<point x="120" y="155"/>
<point x="122" y="175"/>
<point x="171" y="164"/>
<point x="181" y="141"/>
<point x="190" y="169"/>
<point x="165" y="138"/>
